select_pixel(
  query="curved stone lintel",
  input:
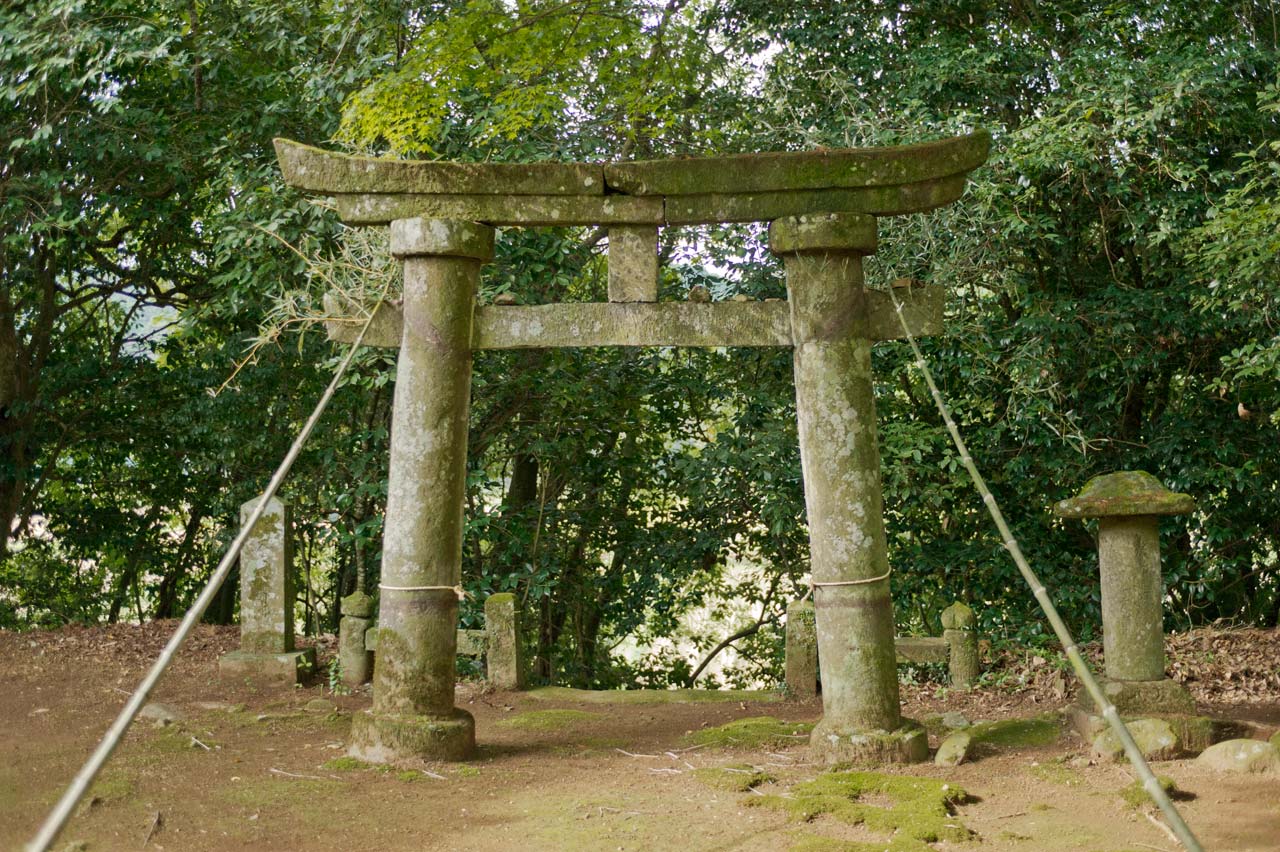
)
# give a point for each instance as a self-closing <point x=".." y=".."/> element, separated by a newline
<point x="824" y="232"/>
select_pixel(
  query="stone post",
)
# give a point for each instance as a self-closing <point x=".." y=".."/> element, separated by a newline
<point x="958" y="623"/>
<point x="413" y="714"/>
<point x="355" y="661"/>
<point x="841" y="462"/>
<point x="1127" y="505"/>
<point x="267" y="651"/>
<point x="504" y="652"/>
<point x="802" y="651"/>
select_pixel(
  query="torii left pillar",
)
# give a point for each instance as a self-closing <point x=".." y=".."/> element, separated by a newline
<point x="413" y="714"/>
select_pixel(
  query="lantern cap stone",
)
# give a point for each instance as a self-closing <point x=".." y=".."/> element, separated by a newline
<point x="1126" y="492"/>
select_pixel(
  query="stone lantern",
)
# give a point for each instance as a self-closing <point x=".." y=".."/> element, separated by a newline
<point x="1128" y="505"/>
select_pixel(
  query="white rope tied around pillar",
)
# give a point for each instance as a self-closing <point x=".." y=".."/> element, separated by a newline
<point x="457" y="590"/>
<point x="864" y="582"/>
<point x="63" y="810"/>
<point x="1150" y="783"/>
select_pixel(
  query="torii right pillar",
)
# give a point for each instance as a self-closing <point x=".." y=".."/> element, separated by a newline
<point x="835" y="407"/>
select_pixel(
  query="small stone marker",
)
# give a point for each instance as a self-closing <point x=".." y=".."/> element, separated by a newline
<point x="958" y="623"/>
<point x="355" y="660"/>
<point x="504" y="660"/>
<point x="802" y="650"/>
<point x="160" y="715"/>
<point x="266" y="602"/>
<point x="1127" y="505"/>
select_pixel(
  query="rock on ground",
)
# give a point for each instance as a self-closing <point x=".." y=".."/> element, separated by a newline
<point x="953" y="750"/>
<point x="1247" y="756"/>
<point x="1155" y="738"/>
<point x="159" y="714"/>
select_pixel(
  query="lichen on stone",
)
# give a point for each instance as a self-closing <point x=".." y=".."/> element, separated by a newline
<point x="1127" y="492"/>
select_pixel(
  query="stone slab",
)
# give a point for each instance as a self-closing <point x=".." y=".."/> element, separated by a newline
<point x="499" y="210"/>
<point x="642" y="324"/>
<point x="317" y="170"/>
<point x="290" y="667"/>
<point x="767" y="206"/>
<point x="922" y="649"/>
<point x="797" y="170"/>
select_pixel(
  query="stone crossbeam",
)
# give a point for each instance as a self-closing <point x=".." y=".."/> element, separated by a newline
<point x="642" y="324"/>
<point x="690" y="191"/>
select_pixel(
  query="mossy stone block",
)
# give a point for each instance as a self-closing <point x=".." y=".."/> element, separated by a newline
<point x="1127" y="492"/>
<point x="390" y="738"/>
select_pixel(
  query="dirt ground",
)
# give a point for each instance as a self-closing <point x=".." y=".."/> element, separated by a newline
<point x="248" y="768"/>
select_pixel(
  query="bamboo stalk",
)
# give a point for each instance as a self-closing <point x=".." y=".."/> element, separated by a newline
<point x="1078" y="664"/>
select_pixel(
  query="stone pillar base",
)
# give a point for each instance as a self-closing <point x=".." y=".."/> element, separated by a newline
<point x="390" y="738"/>
<point x="1143" y="697"/>
<point x="289" y="667"/>
<point x="908" y="744"/>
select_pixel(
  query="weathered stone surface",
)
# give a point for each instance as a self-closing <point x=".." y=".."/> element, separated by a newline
<point x="289" y="667"/>
<point x="908" y="743"/>
<point x="159" y="714"/>
<point x="841" y="470"/>
<point x="797" y="170"/>
<point x="1132" y="595"/>
<point x="632" y="324"/>
<point x="266" y="580"/>
<point x="633" y="264"/>
<point x="471" y="643"/>
<point x="441" y="238"/>
<point x="503" y="210"/>
<point x="1128" y="492"/>
<point x="422" y="543"/>
<point x="768" y="206"/>
<point x="953" y="750"/>
<point x="320" y="705"/>
<point x="318" y="170"/>
<point x="801" y="651"/>
<point x="656" y="324"/>
<point x="1155" y="739"/>
<point x="834" y="233"/>
<point x="1132" y="698"/>
<point x="958" y="616"/>
<point x="355" y="660"/>
<point x="954" y="720"/>
<point x="1245" y="756"/>
<point x="504" y="657"/>
<point x="358" y="604"/>
<point x="920" y="649"/>
<point x="394" y="738"/>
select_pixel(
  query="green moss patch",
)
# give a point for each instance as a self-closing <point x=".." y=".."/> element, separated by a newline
<point x="737" y="778"/>
<point x="547" y="720"/>
<point x="914" y="811"/>
<point x="649" y="696"/>
<point x="346" y="764"/>
<point x="754" y="732"/>
<point x="1056" y="771"/>
<point x="1017" y="733"/>
<point x="813" y="843"/>
<point x="1136" y="796"/>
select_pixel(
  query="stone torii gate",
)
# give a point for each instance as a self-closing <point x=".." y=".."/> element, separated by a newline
<point x="822" y="207"/>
